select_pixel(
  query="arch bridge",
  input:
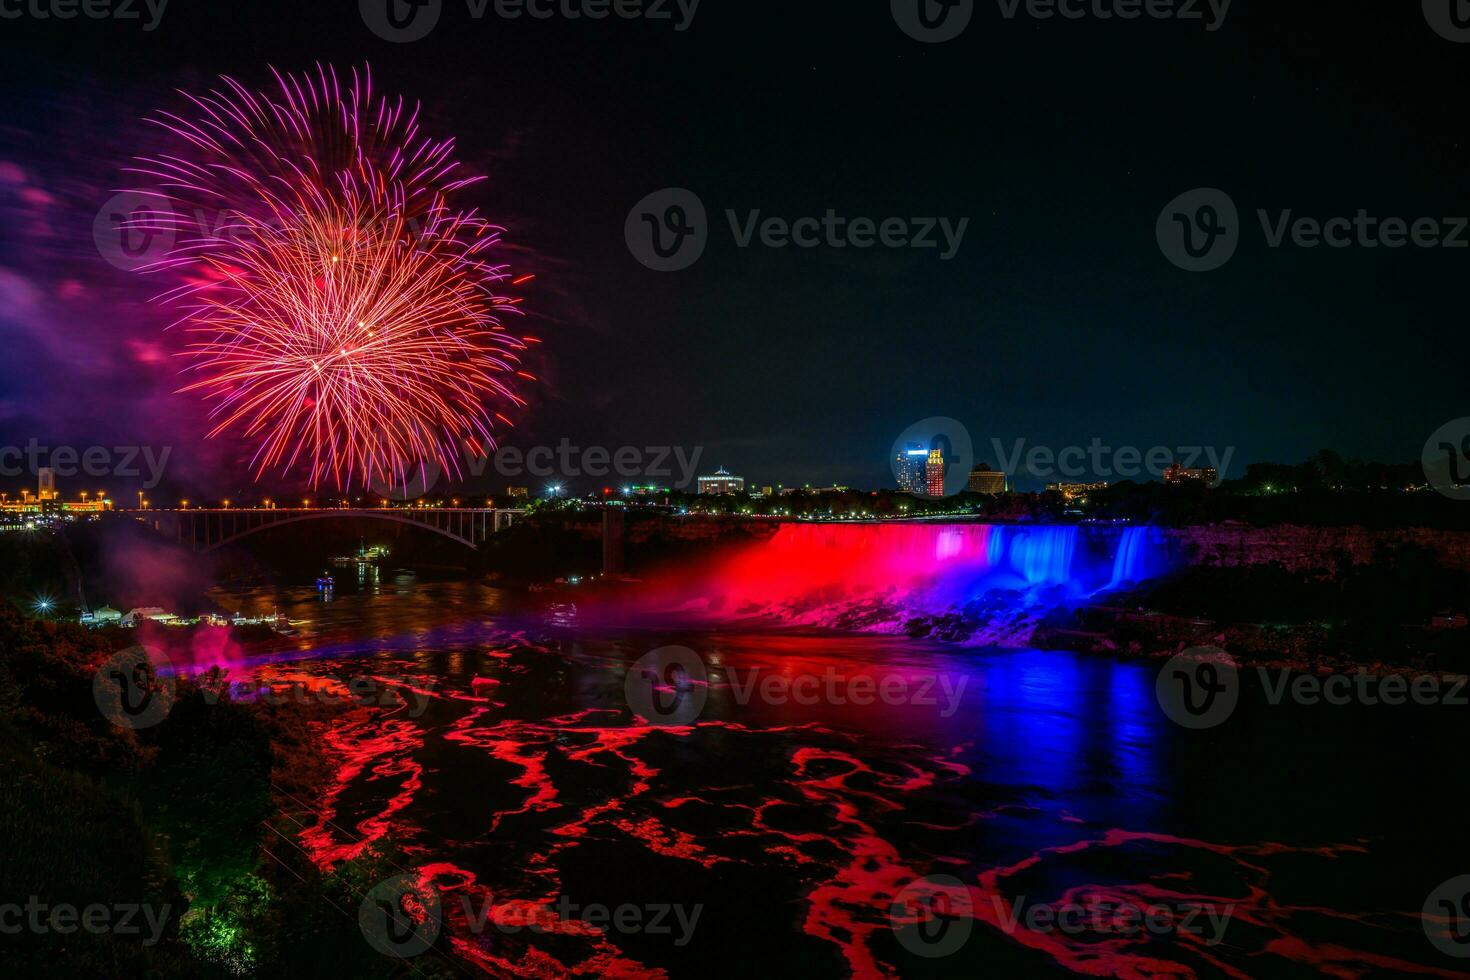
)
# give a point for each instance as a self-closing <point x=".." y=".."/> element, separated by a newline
<point x="208" y="530"/>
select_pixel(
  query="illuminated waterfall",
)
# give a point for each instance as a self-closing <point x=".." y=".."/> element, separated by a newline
<point x="938" y="564"/>
<point x="988" y="582"/>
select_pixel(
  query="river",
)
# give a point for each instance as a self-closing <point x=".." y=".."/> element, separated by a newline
<point x="825" y="774"/>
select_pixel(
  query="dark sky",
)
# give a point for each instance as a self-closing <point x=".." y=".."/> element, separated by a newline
<point x="1059" y="320"/>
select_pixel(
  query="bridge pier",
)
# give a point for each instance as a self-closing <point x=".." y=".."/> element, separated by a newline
<point x="612" y="541"/>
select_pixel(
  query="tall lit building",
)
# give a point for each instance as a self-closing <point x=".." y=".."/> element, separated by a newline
<point x="46" y="483"/>
<point x="721" y="482"/>
<point x="934" y="473"/>
<point x="983" y="479"/>
<point x="909" y="467"/>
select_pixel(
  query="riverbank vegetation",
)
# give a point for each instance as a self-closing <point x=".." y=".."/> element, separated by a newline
<point x="193" y="820"/>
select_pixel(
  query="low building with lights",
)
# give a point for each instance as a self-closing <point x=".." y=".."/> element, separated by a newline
<point x="720" y="483"/>
<point x="1073" y="492"/>
<point x="983" y="479"/>
<point x="153" y="614"/>
<point x="47" y="502"/>
<point x="1177" y="474"/>
<point x="106" y="616"/>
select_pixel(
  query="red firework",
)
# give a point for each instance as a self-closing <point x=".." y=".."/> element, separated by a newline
<point x="344" y="315"/>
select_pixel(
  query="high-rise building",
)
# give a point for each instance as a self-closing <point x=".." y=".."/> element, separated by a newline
<point x="721" y="482"/>
<point x="909" y="467"/>
<point x="983" y="479"/>
<point x="934" y="473"/>
<point x="46" y="483"/>
<point x="1207" y="475"/>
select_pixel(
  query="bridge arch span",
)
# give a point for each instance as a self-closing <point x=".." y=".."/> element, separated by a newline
<point x="209" y="530"/>
<point x="335" y="515"/>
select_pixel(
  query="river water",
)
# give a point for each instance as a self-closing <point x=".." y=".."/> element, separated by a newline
<point x="774" y="832"/>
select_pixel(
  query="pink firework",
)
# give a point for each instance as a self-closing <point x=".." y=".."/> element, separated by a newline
<point x="344" y="316"/>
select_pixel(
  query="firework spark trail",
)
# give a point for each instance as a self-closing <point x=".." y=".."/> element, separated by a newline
<point x="344" y="316"/>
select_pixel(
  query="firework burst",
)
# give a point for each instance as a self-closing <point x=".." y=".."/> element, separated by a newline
<point x="343" y="315"/>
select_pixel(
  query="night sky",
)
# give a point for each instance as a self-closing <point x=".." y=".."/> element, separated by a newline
<point x="1059" y="320"/>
